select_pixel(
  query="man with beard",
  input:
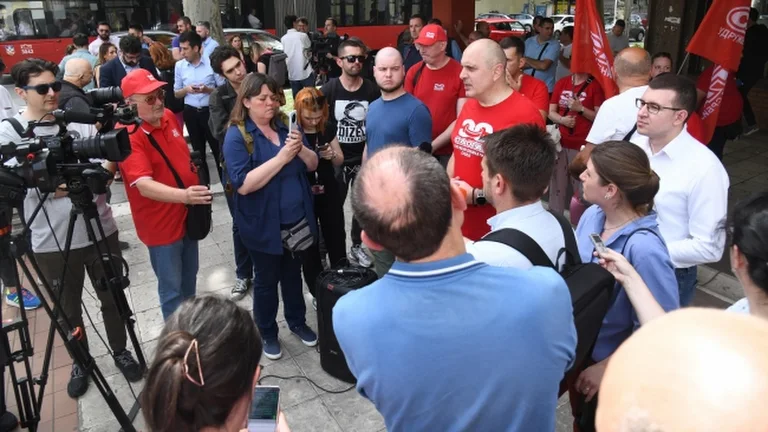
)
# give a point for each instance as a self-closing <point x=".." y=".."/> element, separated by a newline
<point x="105" y="35"/>
<point x="396" y="118"/>
<point x="348" y="98"/>
<point x="491" y="107"/>
<point x="129" y="59"/>
<point x="411" y="54"/>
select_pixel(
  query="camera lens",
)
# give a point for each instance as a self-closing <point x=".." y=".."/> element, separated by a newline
<point x="113" y="146"/>
<point x="106" y="95"/>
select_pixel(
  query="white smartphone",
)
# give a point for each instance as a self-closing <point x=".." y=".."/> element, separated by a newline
<point x="264" y="409"/>
<point x="293" y="119"/>
<point x="598" y="242"/>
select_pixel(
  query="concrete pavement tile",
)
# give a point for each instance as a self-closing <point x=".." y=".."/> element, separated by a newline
<point x="67" y="424"/>
<point x="292" y="391"/>
<point x="245" y="302"/>
<point x="95" y="414"/>
<point x="309" y="363"/>
<point x="63" y="405"/>
<point x="310" y="416"/>
<point x="150" y="324"/>
<point x="705" y="275"/>
<point x="141" y="273"/>
<point x="216" y="278"/>
<point x="352" y="411"/>
<point x="292" y="342"/>
<point x="136" y="255"/>
<point x="726" y="286"/>
<point x="124" y="224"/>
<point x="211" y="255"/>
<point x="222" y="233"/>
<point x="148" y="348"/>
<point x="144" y="296"/>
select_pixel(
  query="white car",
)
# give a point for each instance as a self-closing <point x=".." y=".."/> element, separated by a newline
<point x="562" y="21"/>
<point x="525" y="19"/>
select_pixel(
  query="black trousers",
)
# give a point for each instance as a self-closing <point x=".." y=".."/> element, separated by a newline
<point x="749" y="115"/>
<point x="196" y="120"/>
<point x="329" y="210"/>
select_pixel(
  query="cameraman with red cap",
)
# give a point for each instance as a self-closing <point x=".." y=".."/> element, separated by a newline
<point x="158" y="205"/>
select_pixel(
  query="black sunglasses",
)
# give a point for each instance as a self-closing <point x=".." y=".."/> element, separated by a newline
<point x="43" y="89"/>
<point x="352" y="58"/>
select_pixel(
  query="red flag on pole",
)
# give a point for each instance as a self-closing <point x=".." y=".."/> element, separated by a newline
<point x="591" y="52"/>
<point x="720" y="39"/>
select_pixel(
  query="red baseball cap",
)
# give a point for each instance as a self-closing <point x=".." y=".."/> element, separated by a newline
<point x="140" y="81"/>
<point x="430" y="34"/>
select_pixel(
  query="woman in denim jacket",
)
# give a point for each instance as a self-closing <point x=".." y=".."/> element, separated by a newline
<point x="272" y="195"/>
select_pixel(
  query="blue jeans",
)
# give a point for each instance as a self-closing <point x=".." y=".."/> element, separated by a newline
<point x="243" y="263"/>
<point x="268" y="271"/>
<point x="296" y="86"/>
<point x="686" y="284"/>
<point x="175" y="266"/>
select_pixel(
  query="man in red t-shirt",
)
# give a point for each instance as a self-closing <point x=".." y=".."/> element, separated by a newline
<point x="728" y="124"/>
<point x="532" y="88"/>
<point x="158" y="204"/>
<point x="493" y="106"/>
<point x="435" y="82"/>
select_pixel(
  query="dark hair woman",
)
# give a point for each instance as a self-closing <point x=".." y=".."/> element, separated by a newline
<point x="236" y="42"/>
<point x="621" y="185"/>
<point x="274" y="211"/>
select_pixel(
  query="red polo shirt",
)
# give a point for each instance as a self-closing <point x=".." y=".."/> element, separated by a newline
<point x="158" y="223"/>
<point x="475" y="122"/>
<point x="439" y="90"/>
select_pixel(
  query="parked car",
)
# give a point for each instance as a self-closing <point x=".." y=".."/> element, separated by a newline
<point x="562" y="21"/>
<point x="636" y="29"/>
<point x="493" y="14"/>
<point x="249" y="36"/>
<point x="502" y="27"/>
<point x="525" y="19"/>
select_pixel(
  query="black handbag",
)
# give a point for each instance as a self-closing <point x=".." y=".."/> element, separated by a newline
<point x="199" y="216"/>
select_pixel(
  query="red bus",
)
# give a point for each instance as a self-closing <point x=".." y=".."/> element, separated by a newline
<point x="44" y="28"/>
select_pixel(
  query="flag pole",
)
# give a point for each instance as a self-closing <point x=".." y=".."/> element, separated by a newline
<point x="682" y="65"/>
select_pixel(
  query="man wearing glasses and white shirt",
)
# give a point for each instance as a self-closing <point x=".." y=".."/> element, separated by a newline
<point x="692" y="200"/>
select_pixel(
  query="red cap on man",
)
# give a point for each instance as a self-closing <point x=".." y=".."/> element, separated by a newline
<point x="430" y="34"/>
<point x="140" y="81"/>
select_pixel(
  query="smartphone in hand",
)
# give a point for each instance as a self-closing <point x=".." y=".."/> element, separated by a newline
<point x="598" y="242"/>
<point x="264" y="409"/>
<point x="293" y="120"/>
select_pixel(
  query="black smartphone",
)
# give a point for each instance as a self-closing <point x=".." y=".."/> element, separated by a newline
<point x="264" y="409"/>
<point x="598" y="242"/>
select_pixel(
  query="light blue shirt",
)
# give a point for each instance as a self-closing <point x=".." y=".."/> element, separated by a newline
<point x="506" y="337"/>
<point x="83" y="54"/>
<point x="552" y="52"/>
<point x="209" y="44"/>
<point x="186" y="74"/>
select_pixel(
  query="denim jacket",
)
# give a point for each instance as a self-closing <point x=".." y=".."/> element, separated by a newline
<point x="257" y="214"/>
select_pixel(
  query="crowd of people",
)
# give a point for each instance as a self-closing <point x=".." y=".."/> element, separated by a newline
<point x="434" y="153"/>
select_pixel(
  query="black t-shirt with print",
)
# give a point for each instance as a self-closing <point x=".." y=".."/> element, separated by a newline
<point x="348" y="111"/>
<point x="324" y="175"/>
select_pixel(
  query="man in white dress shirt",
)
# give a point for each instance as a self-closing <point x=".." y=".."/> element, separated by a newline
<point x="105" y="35"/>
<point x="517" y="166"/>
<point x="692" y="200"/>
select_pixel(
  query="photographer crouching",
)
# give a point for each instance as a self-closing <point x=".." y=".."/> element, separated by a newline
<point x="36" y="83"/>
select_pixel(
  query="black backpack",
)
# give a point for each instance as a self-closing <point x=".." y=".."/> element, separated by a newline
<point x="592" y="287"/>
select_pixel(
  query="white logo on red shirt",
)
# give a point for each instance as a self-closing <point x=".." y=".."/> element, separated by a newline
<point x="439" y="87"/>
<point x="175" y="133"/>
<point x="470" y="129"/>
<point x="567" y="95"/>
<point x="469" y="140"/>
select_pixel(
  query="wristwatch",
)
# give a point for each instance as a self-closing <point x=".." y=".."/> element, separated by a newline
<point x="479" y="197"/>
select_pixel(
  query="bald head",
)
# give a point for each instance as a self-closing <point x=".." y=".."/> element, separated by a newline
<point x="633" y="63"/>
<point x="693" y="370"/>
<point x="484" y="71"/>
<point x="388" y="55"/>
<point x="76" y="67"/>
<point x="402" y="200"/>
<point x="488" y="50"/>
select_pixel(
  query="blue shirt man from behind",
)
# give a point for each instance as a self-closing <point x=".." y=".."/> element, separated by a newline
<point x="542" y="54"/>
<point x="439" y="313"/>
<point x="203" y="29"/>
<point x="80" y="41"/>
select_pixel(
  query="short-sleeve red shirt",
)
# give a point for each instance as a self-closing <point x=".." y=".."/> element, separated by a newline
<point x="476" y="121"/>
<point x="592" y="96"/>
<point x="535" y="90"/>
<point x="439" y="90"/>
<point x="158" y="223"/>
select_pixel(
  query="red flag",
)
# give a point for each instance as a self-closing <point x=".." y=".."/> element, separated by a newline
<point x="591" y="52"/>
<point x="720" y="39"/>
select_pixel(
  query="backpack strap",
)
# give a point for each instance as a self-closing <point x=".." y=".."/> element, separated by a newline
<point x="24" y="133"/>
<point x="417" y="75"/>
<point x="571" y="247"/>
<point x="522" y="243"/>
<point x="247" y="137"/>
<point x="628" y="136"/>
<point x="541" y="53"/>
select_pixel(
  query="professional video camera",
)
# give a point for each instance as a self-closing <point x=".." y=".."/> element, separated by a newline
<point x="45" y="162"/>
<point x="322" y="45"/>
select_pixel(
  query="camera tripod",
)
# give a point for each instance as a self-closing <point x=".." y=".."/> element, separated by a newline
<point x="115" y="280"/>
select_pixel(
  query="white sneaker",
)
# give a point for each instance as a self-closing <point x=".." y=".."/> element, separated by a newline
<point x="240" y="289"/>
<point x="357" y="256"/>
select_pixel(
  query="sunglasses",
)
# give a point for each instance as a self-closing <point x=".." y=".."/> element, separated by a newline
<point x="152" y="99"/>
<point x="353" y="59"/>
<point x="43" y="89"/>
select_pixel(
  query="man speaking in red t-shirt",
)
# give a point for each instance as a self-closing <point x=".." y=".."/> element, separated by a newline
<point x="532" y="88"/>
<point x="493" y="106"/>
<point x="435" y="81"/>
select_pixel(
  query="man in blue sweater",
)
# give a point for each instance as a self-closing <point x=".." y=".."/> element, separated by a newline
<point x="444" y="342"/>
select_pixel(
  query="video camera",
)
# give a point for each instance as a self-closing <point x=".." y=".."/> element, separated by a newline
<point x="322" y="45"/>
<point x="45" y="162"/>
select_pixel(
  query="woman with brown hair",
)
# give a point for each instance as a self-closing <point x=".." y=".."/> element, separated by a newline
<point x="260" y="58"/>
<point x="267" y="165"/>
<point x="236" y="42"/>
<point x="312" y="112"/>
<point x="205" y="369"/>
<point x="107" y="51"/>
<point x="621" y="185"/>
<point x="165" y="64"/>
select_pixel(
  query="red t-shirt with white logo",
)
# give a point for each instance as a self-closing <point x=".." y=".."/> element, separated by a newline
<point x="592" y="96"/>
<point x="535" y="90"/>
<point x="158" y="223"/>
<point x="439" y="90"/>
<point x="731" y="105"/>
<point x="476" y="121"/>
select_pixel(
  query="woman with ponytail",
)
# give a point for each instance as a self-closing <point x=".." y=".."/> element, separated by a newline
<point x="620" y="183"/>
<point x="205" y="369"/>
